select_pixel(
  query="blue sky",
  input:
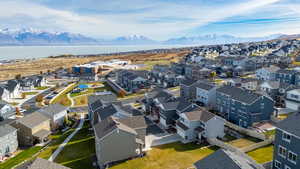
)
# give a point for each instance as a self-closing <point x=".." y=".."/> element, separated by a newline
<point x="157" y="19"/>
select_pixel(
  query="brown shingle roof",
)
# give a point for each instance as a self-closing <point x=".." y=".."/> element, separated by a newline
<point x="200" y="115"/>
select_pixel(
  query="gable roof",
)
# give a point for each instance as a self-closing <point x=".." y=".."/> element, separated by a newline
<point x="40" y="163"/>
<point x="291" y="124"/>
<point x="6" y="129"/>
<point x="200" y="115"/>
<point x="239" y="94"/>
<point x="135" y="122"/>
<point x="108" y="125"/>
<point x="205" y="86"/>
<point x="32" y="120"/>
<point x="188" y="82"/>
<point x="224" y="159"/>
<point x="52" y="109"/>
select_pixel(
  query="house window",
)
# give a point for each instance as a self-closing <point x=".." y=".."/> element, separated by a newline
<point x="277" y="164"/>
<point x="292" y="157"/>
<point x="282" y="152"/>
<point x="286" y="137"/>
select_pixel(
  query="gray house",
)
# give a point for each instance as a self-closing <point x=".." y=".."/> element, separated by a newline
<point x="286" y="145"/>
<point x="8" y="140"/>
<point x="118" y="140"/>
<point x="224" y="159"/>
<point x="6" y="111"/>
<point x="188" y="89"/>
<point x="132" y="81"/>
<point x="243" y="107"/>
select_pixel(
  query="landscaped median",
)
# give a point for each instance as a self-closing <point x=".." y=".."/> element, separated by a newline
<point x="169" y="156"/>
<point x="62" y="97"/>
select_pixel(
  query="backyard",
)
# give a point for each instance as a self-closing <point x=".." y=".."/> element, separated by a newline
<point x="169" y="156"/>
<point x="243" y="142"/>
<point x="79" y="152"/>
<point x="262" y="155"/>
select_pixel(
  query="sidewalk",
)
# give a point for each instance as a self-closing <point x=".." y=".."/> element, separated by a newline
<point x="62" y="145"/>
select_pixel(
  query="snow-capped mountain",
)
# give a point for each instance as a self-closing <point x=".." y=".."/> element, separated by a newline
<point x="32" y="36"/>
<point x="216" y="39"/>
<point x="132" y="40"/>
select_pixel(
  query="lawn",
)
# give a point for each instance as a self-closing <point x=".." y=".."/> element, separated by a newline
<point x="169" y="156"/>
<point x="262" y="155"/>
<point x="92" y="90"/>
<point x="22" y="156"/>
<point x="30" y="93"/>
<point x="63" y="98"/>
<point x="81" y="100"/>
<point x="79" y="152"/>
<point x="149" y="64"/>
<point x="57" y="139"/>
<point x="243" y="142"/>
<point x="270" y="133"/>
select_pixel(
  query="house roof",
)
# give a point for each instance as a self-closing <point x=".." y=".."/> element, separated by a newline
<point x="40" y="163"/>
<point x="135" y="122"/>
<point x="188" y="82"/>
<point x="272" y="69"/>
<point x="53" y="109"/>
<point x="11" y="85"/>
<point x="32" y="120"/>
<point x="3" y="103"/>
<point x="108" y="125"/>
<point x="200" y="115"/>
<point x="224" y="159"/>
<point x="291" y="124"/>
<point x="205" y="86"/>
<point x="158" y="93"/>
<point x="239" y="94"/>
<point x="6" y="129"/>
<point x="107" y="111"/>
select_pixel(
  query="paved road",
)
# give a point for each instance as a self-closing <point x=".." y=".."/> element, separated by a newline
<point x="62" y="145"/>
<point x="32" y="103"/>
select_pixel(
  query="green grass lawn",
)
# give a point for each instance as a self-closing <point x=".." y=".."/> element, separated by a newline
<point x="30" y="93"/>
<point x="262" y="155"/>
<point x="57" y="139"/>
<point x="22" y="156"/>
<point x="42" y="88"/>
<point x="63" y="98"/>
<point x="169" y="156"/>
<point x="270" y="133"/>
<point x="243" y="142"/>
<point x="79" y="151"/>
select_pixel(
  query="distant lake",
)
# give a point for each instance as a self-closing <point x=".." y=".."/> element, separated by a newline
<point x="28" y="52"/>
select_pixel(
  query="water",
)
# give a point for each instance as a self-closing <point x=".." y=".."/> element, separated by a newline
<point x="29" y="52"/>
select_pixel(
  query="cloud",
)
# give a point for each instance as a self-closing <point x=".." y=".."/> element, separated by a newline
<point x="158" y="19"/>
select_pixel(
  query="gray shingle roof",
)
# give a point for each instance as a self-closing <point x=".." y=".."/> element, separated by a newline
<point x="223" y="159"/>
<point x="33" y="119"/>
<point x="291" y="124"/>
<point x="200" y="115"/>
<point x="6" y="129"/>
<point x="239" y="94"/>
<point x="53" y="109"/>
<point x="135" y="122"/>
<point x="205" y="86"/>
<point x="188" y="82"/>
<point x="40" y="163"/>
<point x="108" y="125"/>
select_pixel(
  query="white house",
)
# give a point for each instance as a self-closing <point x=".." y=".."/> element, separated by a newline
<point x="57" y="114"/>
<point x="206" y="93"/>
<point x="6" y="111"/>
<point x="267" y="73"/>
<point x="292" y="100"/>
<point x="4" y="94"/>
<point x="200" y="124"/>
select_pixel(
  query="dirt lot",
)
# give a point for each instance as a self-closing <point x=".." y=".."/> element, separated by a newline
<point x="26" y="68"/>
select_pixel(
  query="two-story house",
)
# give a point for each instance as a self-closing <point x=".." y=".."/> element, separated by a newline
<point x="292" y="99"/>
<point x="188" y="89"/>
<point x="198" y="125"/>
<point x="8" y="140"/>
<point x="6" y="111"/>
<point x="206" y="93"/>
<point x="131" y="80"/>
<point x="243" y="107"/>
<point x="286" y="76"/>
<point x="286" y="145"/>
<point x="267" y="73"/>
<point x="57" y="113"/>
<point x="4" y="93"/>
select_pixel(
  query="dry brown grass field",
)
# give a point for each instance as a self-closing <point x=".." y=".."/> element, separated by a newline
<point x="25" y="68"/>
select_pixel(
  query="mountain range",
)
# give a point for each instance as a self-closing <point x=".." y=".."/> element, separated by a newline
<point x="13" y="37"/>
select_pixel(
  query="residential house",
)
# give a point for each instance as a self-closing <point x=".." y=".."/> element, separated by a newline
<point x="8" y="140"/>
<point x="243" y="107"/>
<point x="117" y="140"/>
<point x="199" y="125"/>
<point x="57" y="113"/>
<point x="40" y="163"/>
<point x="286" y="145"/>
<point x="206" y="93"/>
<point x="30" y="82"/>
<point x="286" y="76"/>
<point x="133" y="80"/>
<point x="6" y="111"/>
<point x="188" y="89"/>
<point x="267" y="73"/>
<point x="225" y="159"/>
<point x="12" y="89"/>
<point x="32" y="129"/>
<point x="4" y="93"/>
<point x="178" y="68"/>
<point x="292" y="99"/>
<point x="98" y="101"/>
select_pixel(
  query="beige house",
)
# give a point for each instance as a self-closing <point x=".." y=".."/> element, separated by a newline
<point x="33" y="129"/>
